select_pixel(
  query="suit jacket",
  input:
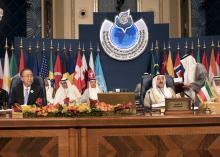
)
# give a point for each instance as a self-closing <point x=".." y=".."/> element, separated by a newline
<point x="18" y="94"/>
<point x="3" y="96"/>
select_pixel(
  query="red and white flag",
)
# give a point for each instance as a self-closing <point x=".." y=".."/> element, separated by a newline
<point x="91" y="73"/>
<point x="85" y="71"/>
<point x="78" y="77"/>
<point x="212" y="66"/>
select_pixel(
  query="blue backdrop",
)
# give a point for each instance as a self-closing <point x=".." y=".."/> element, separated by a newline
<point x="118" y="74"/>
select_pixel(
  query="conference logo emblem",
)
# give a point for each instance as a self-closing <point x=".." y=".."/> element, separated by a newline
<point x="124" y="40"/>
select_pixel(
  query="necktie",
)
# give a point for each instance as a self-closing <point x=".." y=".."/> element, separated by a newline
<point x="26" y="96"/>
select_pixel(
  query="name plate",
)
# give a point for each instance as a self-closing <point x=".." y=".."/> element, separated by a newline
<point x="178" y="105"/>
<point x="17" y="115"/>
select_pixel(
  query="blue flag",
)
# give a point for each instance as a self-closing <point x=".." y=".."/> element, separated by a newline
<point x="99" y="74"/>
<point x="44" y="71"/>
<point x="35" y="68"/>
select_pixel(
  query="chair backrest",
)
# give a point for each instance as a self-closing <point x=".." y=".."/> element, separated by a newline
<point x="37" y="80"/>
<point x="146" y="83"/>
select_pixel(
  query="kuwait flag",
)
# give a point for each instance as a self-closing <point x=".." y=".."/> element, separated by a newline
<point x="205" y="93"/>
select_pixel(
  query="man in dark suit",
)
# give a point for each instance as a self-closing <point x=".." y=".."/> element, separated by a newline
<point x="26" y="92"/>
<point x="3" y="98"/>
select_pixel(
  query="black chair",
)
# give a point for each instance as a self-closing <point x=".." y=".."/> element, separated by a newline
<point x="37" y="80"/>
<point x="146" y="83"/>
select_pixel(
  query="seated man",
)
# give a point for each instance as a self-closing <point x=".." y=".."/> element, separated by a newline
<point x="66" y="93"/>
<point x="216" y="89"/>
<point x="49" y="91"/>
<point x="26" y="92"/>
<point x="3" y="98"/>
<point x="90" y="94"/>
<point x="157" y="94"/>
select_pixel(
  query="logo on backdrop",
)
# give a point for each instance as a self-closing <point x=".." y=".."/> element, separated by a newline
<point x="124" y="40"/>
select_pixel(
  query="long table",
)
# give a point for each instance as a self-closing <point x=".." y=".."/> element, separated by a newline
<point x="138" y="136"/>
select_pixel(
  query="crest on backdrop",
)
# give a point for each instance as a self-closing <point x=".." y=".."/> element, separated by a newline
<point x="124" y="40"/>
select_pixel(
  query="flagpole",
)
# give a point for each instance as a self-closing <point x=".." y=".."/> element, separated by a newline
<point x="70" y="49"/>
<point x="21" y="44"/>
<point x="12" y="48"/>
<point x="178" y="46"/>
<point x="83" y="49"/>
<point x="64" y="48"/>
<point x="43" y="46"/>
<point x="90" y="46"/>
<point x="79" y="48"/>
<point x="51" y="45"/>
<point x="29" y="48"/>
<point x="6" y="44"/>
<point x="192" y="48"/>
<point x="98" y="49"/>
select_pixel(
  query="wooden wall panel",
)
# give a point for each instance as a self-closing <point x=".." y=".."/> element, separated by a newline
<point x="175" y="142"/>
<point x="39" y="143"/>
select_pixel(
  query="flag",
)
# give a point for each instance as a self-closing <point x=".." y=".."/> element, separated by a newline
<point x="170" y="69"/>
<point x="152" y="69"/>
<point x="71" y="64"/>
<point x="154" y="64"/>
<point x="44" y="71"/>
<point x="6" y="76"/>
<point x="64" y="64"/>
<point x="78" y="76"/>
<point x="204" y="60"/>
<point x="212" y="66"/>
<point x="51" y="66"/>
<point x="85" y="71"/>
<point x="30" y="59"/>
<point x="218" y="61"/>
<point x="13" y="66"/>
<point x="198" y="60"/>
<point x="34" y="63"/>
<point x="57" y="70"/>
<point x="99" y="74"/>
<point x="91" y="72"/>
<point x="177" y="65"/>
<point x="35" y="68"/>
<point x="1" y="75"/>
<point x="205" y="93"/>
<point x="21" y="63"/>
<point x="164" y="63"/>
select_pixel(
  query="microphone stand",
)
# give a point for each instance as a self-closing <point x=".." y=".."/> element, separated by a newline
<point x="193" y="103"/>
